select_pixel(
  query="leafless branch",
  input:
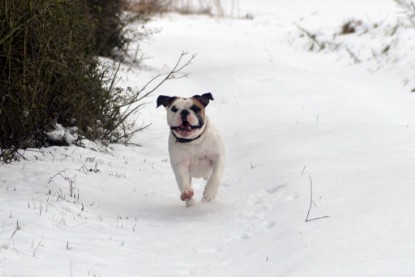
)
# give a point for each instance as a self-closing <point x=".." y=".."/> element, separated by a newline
<point x="53" y="177"/>
<point x="307" y="219"/>
<point x="18" y="227"/>
<point x="355" y="59"/>
<point x="302" y="172"/>
<point x="130" y="104"/>
<point x="313" y="37"/>
<point x="408" y="7"/>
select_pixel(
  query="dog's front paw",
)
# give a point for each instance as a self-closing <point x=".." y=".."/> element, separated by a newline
<point x="186" y="195"/>
<point x="190" y="203"/>
<point x="208" y="196"/>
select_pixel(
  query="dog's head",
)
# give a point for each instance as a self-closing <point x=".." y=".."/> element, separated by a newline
<point x="186" y="116"/>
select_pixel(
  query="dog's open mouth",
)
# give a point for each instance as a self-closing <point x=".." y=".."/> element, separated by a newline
<point x="184" y="130"/>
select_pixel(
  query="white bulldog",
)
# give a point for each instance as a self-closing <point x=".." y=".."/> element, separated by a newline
<point x="195" y="146"/>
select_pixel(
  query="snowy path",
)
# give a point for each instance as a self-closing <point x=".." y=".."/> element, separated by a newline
<point x="287" y="116"/>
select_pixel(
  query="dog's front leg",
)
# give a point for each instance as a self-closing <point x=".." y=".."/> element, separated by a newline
<point x="181" y="171"/>
<point x="212" y="186"/>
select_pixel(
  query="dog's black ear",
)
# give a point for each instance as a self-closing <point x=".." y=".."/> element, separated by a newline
<point x="165" y="100"/>
<point x="204" y="98"/>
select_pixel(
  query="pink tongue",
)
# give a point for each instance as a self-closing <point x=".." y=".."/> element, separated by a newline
<point x="185" y="130"/>
<point x="184" y="133"/>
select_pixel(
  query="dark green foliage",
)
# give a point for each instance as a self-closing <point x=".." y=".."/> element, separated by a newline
<point x="48" y="73"/>
<point x="109" y="34"/>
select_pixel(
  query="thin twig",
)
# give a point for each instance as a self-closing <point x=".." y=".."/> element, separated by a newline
<point x="138" y="97"/>
<point x="409" y="8"/>
<point x="302" y="172"/>
<point x="307" y="219"/>
<point x="18" y="227"/>
<point x="59" y="173"/>
<point x="353" y="56"/>
<point x="114" y="79"/>
<point x="37" y="247"/>
<point x="312" y="37"/>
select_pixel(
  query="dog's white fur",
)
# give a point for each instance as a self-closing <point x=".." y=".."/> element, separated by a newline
<point x="196" y="151"/>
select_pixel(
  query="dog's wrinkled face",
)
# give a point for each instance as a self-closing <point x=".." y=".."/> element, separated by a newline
<point x="186" y="116"/>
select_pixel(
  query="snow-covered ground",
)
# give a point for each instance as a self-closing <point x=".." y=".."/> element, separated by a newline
<point x="290" y="118"/>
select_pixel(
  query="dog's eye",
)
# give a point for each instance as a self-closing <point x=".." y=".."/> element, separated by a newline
<point x="195" y="108"/>
<point x="174" y="109"/>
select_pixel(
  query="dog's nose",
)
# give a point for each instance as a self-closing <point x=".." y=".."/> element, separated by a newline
<point x="184" y="115"/>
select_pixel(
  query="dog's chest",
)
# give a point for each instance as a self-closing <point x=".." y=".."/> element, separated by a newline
<point x="200" y="166"/>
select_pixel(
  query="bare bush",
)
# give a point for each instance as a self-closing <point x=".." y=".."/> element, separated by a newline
<point x="408" y="7"/>
<point x="53" y="89"/>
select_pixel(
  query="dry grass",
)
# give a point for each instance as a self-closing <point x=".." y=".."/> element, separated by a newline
<point x="206" y="7"/>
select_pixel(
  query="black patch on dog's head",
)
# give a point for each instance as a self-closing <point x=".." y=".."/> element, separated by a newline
<point x="204" y="98"/>
<point x="165" y="100"/>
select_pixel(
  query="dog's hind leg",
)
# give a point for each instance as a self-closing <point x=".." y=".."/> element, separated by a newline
<point x="212" y="186"/>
